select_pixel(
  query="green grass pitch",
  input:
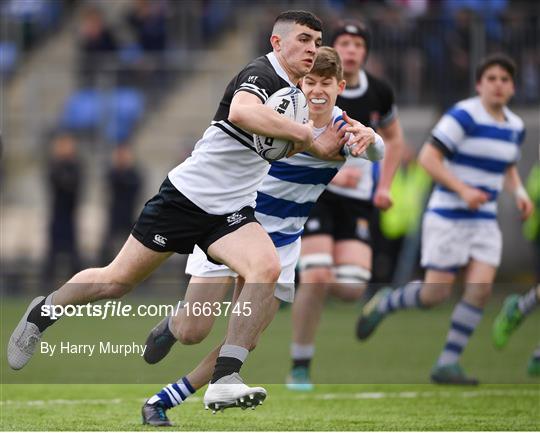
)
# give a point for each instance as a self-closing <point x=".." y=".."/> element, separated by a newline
<point x="378" y="385"/>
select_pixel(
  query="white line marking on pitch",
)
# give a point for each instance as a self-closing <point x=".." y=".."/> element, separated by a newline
<point x="307" y="396"/>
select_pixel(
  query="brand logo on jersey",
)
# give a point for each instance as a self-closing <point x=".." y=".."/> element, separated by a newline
<point x="160" y="240"/>
<point x="252" y="78"/>
<point x="235" y="218"/>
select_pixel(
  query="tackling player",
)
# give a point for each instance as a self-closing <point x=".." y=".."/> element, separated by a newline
<point x="284" y="200"/>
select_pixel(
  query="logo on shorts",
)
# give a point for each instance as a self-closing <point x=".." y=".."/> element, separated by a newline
<point x="313" y="224"/>
<point x="362" y="229"/>
<point x="160" y="240"/>
<point x="235" y="218"/>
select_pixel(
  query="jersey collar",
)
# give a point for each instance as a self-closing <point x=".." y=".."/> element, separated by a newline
<point x="277" y="67"/>
<point x="358" y="91"/>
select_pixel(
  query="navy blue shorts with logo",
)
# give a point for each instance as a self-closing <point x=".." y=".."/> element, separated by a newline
<point x="172" y="222"/>
<point x="341" y="217"/>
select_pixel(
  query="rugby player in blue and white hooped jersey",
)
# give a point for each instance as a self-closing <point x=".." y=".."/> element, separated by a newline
<point x="284" y="201"/>
<point x="471" y="155"/>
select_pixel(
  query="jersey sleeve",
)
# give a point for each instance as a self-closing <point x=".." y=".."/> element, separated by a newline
<point x="451" y="130"/>
<point x="388" y="109"/>
<point x="258" y="80"/>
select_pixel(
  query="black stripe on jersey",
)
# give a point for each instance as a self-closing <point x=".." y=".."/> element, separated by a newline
<point x="241" y="140"/>
<point x="438" y="144"/>
<point x="249" y="137"/>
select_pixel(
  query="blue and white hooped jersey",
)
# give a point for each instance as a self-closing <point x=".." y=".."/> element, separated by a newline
<point x="289" y="192"/>
<point x="478" y="150"/>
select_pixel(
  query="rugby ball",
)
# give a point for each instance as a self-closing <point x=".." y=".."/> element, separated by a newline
<point x="290" y="102"/>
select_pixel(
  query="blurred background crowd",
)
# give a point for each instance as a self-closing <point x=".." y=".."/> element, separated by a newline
<point x="101" y="98"/>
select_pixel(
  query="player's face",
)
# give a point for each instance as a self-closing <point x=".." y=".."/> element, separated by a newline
<point x="321" y="92"/>
<point x="496" y="86"/>
<point x="298" y="49"/>
<point x="352" y="50"/>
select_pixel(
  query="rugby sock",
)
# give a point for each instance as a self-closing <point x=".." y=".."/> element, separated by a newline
<point x="528" y="301"/>
<point x="302" y="354"/>
<point x="174" y="393"/>
<point x="42" y="322"/>
<point x="404" y="297"/>
<point x="230" y="360"/>
<point x="464" y="321"/>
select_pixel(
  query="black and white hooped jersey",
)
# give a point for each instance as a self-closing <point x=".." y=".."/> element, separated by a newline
<point x="372" y="104"/>
<point x="224" y="171"/>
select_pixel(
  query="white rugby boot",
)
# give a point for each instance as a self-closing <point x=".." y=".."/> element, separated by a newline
<point x="24" y="339"/>
<point x="231" y="391"/>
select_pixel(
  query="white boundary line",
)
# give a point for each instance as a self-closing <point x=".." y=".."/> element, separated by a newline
<point x="306" y="396"/>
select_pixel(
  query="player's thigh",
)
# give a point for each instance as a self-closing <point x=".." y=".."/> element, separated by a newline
<point x="352" y="252"/>
<point x="248" y="251"/>
<point x="134" y="263"/>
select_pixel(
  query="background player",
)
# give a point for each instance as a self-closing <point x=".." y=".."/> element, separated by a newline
<point x="472" y="152"/>
<point x="288" y="192"/>
<point x="336" y="241"/>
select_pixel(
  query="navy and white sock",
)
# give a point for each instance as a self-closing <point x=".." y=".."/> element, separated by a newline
<point x="528" y="301"/>
<point x="465" y="319"/>
<point x="404" y="297"/>
<point x="173" y="394"/>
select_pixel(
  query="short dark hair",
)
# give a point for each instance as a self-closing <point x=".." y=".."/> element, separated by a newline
<point x="303" y="18"/>
<point x="496" y="59"/>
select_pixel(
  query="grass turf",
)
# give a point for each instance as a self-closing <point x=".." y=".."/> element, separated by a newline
<point x="378" y="385"/>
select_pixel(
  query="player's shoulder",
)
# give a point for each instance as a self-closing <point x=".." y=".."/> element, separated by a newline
<point x="260" y="67"/>
<point x="378" y="84"/>
<point x="513" y="119"/>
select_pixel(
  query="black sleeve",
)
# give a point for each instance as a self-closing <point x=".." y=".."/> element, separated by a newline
<point x="259" y="80"/>
<point x="387" y="109"/>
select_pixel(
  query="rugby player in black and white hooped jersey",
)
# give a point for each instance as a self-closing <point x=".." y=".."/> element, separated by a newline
<point x="336" y="241"/>
<point x="208" y="201"/>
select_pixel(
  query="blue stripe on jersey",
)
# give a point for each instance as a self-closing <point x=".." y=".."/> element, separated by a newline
<point x="493" y="193"/>
<point x="482" y="163"/>
<point x="301" y="174"/>
<point x="463" y="118"/>
<point x="278" y="207"/>
<point x="510" y="136"/>
<point x="463" y="214"/>
<point x="280" y="239"/>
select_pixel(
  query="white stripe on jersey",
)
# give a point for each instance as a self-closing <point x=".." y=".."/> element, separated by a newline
<point x="450" y="200"/>
<point x="251" y="87"/>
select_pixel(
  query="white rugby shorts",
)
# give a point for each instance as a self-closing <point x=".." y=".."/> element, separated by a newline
<point x="198" y="265"/>
<point x="448" y="245"/>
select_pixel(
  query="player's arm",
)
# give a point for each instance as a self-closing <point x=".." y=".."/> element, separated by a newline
<point x="431" y="158"/>
<point x="392" y="134"/>
<point x="248" y="112"/>
<point x="513" y="184"/>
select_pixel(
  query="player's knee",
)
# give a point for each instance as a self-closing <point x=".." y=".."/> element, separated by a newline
<point x="266" y="269"/>
<point x="189" y="332"/>
<point x="317" y="276"/>
<point x="479" y="293"/>
<point x="435" y="294"/>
